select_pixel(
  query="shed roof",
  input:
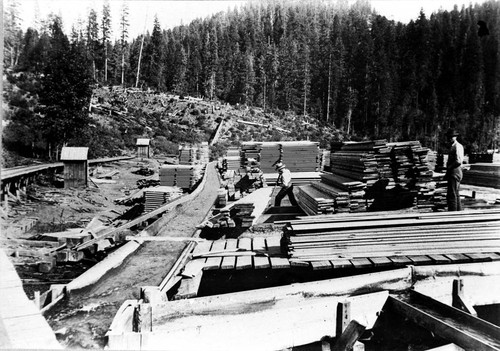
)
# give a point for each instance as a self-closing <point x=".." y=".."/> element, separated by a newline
<point x="74" y="153"/>
<point x="142" y="142"/>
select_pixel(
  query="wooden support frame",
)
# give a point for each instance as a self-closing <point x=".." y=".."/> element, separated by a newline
<point x="471" y="333"/>
<point x="459" y="299"/>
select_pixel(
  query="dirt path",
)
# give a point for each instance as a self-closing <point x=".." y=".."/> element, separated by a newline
<point x="87" y="315"/>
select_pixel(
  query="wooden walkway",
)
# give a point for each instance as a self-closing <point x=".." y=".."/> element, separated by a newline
<point x="21" y="323"/>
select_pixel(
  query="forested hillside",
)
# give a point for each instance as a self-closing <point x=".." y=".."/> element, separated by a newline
<point x="343" y="66"/>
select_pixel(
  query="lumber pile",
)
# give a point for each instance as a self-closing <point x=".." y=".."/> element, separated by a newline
<point x="483" y="175"/>
<point x="298" y="178"/>
<point x="313" y="201"/>
<point x="182" y="176"/>
<point x="330" y="238"/>
<point x="194" y="155"/>
<point x="299" y="156"/>
<point x="232" y="160"/>
<point x="245" y="211"/>
<point x="157" y="196"/>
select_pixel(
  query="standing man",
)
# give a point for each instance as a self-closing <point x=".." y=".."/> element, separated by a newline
<point x="454" y="171"/>
<point x="285" y="180"/>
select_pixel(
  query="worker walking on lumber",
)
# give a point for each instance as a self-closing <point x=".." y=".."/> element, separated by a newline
<point x="285" y="180"/>
<point x="454" y="171"/>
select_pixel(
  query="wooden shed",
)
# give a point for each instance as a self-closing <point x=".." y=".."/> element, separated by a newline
<point x="143" y="148"/>
<point x="75" y="166"/>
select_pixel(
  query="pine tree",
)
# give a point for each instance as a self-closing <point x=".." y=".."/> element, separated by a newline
<point x="124" y="24"/>
<point x="106" y="35"/>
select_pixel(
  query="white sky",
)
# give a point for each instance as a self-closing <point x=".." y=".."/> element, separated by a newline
<point x="174" y="12"/>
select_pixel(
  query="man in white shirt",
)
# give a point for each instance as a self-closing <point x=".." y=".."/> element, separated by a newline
<point x="285" y="180"/>
<point x="454" y="171"/>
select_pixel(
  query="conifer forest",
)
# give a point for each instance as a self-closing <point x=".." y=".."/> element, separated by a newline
<point x="344" y="66"/>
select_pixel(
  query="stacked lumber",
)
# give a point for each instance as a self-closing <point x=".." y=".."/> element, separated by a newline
<point x="298" y="178"/>
<point x="326" y="238"/>
<point x="190" y="155"/>
<point x="182" y="176"/>
<point x="243" y="214"/>
<point x="270" y="152"/>
<point x="157" y="196"/>
<point x="313" y="201"/>
<point x="222" y="197"/>
<point x="483" y="175"/>
<point x="342" y="198"/>
<point x="300" y="156"/>
<point x="403" y="166"/>
<point x="220" y="220"/>
<point x="187" y="155"/>
<point x="249" y="150"/>
<point x="232" y="160"/>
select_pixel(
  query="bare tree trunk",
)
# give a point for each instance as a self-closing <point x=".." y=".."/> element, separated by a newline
<point x="139" y="63"/>
<point x="123" y="68"/>
<point x="329" y="87"/>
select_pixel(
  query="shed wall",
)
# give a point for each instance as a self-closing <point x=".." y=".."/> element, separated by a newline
<point x="75" y="174"/>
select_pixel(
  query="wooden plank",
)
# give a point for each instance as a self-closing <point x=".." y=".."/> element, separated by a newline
<point x="318" y="265"/>
<point x="259" y="244"/>
<point x="380" y="261"/>
<point x="361" y="263"/>
<point x="458" y="258"/>
<point x="244" y="262"/>
<point x="349" y="337"/>
<point x="215" y="262"/>
<point x="479" y="257"/>
<point x="495" y="256"/>
<point x="229" y="262"/>
<point x="420" y="259"/>
<point x="400" y="260"/>
<point x="439" y="258"/>
<point x="189" y="287"/>
<point x="448" y="322"/>
<point x="341" y="263"/>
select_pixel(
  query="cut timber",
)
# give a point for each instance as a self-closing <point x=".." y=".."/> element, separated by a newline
<point x="244" y="262"/>
<point x="349" y="337"/>
<point x="460" y="300"/>
<point x="259" y="244"/>
<point x="447" y="322"/>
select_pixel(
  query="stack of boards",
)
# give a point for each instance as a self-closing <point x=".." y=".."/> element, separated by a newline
<point x="191" y="155"/>
<point x="385" y="236"/>
<point x="157" y="196"/>
<point x="299" y="156"/>
<point x="182" y="176"/>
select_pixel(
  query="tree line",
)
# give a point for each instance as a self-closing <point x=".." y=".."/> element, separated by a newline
<point x="347" y="66"/>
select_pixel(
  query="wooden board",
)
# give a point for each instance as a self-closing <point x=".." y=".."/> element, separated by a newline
<point x="215" y="262"/>
<point x="229" y="262"/>
<point x="361" y="263"/>
<point x="244" y="262"/>
<point x="380" y="261"/>
<point x="259" y="244"/>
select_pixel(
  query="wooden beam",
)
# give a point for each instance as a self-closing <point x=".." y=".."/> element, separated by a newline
<point x="447" y="322"/>
<point x="349" y="337"/>
<point x="459" y="299"/>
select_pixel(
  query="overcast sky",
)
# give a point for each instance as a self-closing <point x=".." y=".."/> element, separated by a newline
<point x="174" y="12"/>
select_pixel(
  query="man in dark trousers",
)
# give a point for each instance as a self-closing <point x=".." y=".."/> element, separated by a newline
<point x="454" y="171"/>
<point x="285" y="180"/>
